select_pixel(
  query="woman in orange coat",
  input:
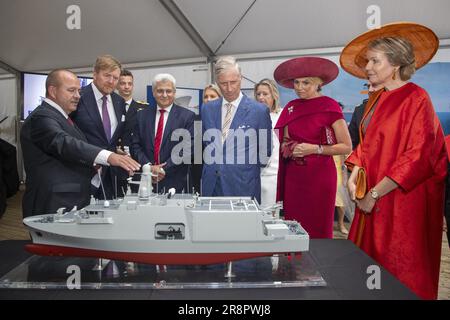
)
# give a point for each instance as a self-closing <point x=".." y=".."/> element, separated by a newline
<point x="403" y="153"/>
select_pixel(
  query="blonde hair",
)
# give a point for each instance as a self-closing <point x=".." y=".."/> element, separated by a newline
<point x="314" y="80"/>
<point x="273" y="91"/>
<point x="399" y="52"/>
<point x="214" y="87"/>
<point x="107" y="62"/>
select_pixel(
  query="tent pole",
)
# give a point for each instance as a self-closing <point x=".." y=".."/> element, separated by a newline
<point x="211" y="70"/>
<point x="187" y="26"/>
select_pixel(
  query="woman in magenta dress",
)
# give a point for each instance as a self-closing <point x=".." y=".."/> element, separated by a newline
<point x="307" y="173"/>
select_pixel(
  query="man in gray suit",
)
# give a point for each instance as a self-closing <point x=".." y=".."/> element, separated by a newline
<point x="59" y="163"/>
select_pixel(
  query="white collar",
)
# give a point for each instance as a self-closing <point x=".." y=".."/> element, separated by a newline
<point x="166" y="109"/>
<point x="57" y="107"/>
<point x="236" y="102"/>
<point x="98" y="95"/>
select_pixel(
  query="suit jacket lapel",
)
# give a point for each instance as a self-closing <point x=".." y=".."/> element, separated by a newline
<point x="218" y="114"/>
<point x="92" y="109"/>
<point x="79" y="132"/>
<point x="169" y="127"/>
<point x="119" y="110"/>
<point x="130" y="110"/>
<point x="149" y="127"/>
<point x="240" y="114"/>
<point x="238" y="118"/>
<point x="73" y="130"/>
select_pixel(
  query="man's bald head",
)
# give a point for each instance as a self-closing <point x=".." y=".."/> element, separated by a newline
<point x="63" y="87"/>
<point x="54" y="78"/>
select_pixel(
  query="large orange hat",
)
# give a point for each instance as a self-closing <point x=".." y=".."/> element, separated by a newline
<point x="424" y="41"/>
<point x="303" y="67"/>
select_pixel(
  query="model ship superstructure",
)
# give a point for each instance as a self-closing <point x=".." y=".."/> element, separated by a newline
<point x="166" y="229"/>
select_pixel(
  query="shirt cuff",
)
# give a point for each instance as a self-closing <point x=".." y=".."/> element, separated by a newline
<point x="102" y="158"/>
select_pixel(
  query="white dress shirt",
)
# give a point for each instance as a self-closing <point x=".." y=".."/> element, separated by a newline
<point x="127" y="104"/>
<point x="166" y="116"/>
<point x="57" y="107"/>
<point x="235" y="104"/>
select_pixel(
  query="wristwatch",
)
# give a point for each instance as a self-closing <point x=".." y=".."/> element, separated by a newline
<point x="374" y="194"/>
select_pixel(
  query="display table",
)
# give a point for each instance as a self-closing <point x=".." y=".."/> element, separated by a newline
<point x="339" y="263"/>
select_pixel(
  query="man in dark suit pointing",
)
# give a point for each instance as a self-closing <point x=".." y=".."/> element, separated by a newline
<point x="58" y="160"/>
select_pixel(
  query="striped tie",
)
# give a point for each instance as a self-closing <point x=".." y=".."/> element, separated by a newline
<point x="227" y="121"/>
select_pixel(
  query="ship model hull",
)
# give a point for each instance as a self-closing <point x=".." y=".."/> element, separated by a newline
<point x="145" y="257"/>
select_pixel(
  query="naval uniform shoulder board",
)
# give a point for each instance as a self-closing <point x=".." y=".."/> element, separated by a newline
<point x="143" y="102"/>
<point x="142" y="105"/>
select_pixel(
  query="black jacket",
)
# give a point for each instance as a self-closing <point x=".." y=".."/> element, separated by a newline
<point x="58" y="162"/>
<point x="353" y="127"/>
<point x="130" y="122"/>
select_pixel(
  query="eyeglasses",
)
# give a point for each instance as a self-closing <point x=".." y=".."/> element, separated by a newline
<point x="162" y="91"/>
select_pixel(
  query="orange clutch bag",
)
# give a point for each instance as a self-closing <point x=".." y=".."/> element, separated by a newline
<point x="361" y="184"/>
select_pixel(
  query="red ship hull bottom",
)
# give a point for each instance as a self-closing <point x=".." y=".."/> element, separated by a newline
<point x="149" y="258"/>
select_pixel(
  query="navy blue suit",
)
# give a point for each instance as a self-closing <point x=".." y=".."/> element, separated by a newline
<point x="238" y="177"/>
<point x="88" y="119"/>
<point x="130" y="121"/>
<point x="142" y="148"/>
<point x="126" y="140"/>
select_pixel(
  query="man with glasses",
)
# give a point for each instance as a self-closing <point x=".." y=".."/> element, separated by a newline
<point x="164" y="136"/>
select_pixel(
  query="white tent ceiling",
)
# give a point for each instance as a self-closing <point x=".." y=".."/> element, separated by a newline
<point x="34" y="36"/>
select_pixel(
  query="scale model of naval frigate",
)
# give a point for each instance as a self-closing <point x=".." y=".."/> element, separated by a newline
<point x="166" y="229"/>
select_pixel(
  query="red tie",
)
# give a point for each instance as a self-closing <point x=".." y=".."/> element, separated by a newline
<point x="70" y="121"/>
<point x="159" y="133"/>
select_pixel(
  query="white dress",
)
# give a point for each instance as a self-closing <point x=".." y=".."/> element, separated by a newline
<point x="270" y="171"/>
